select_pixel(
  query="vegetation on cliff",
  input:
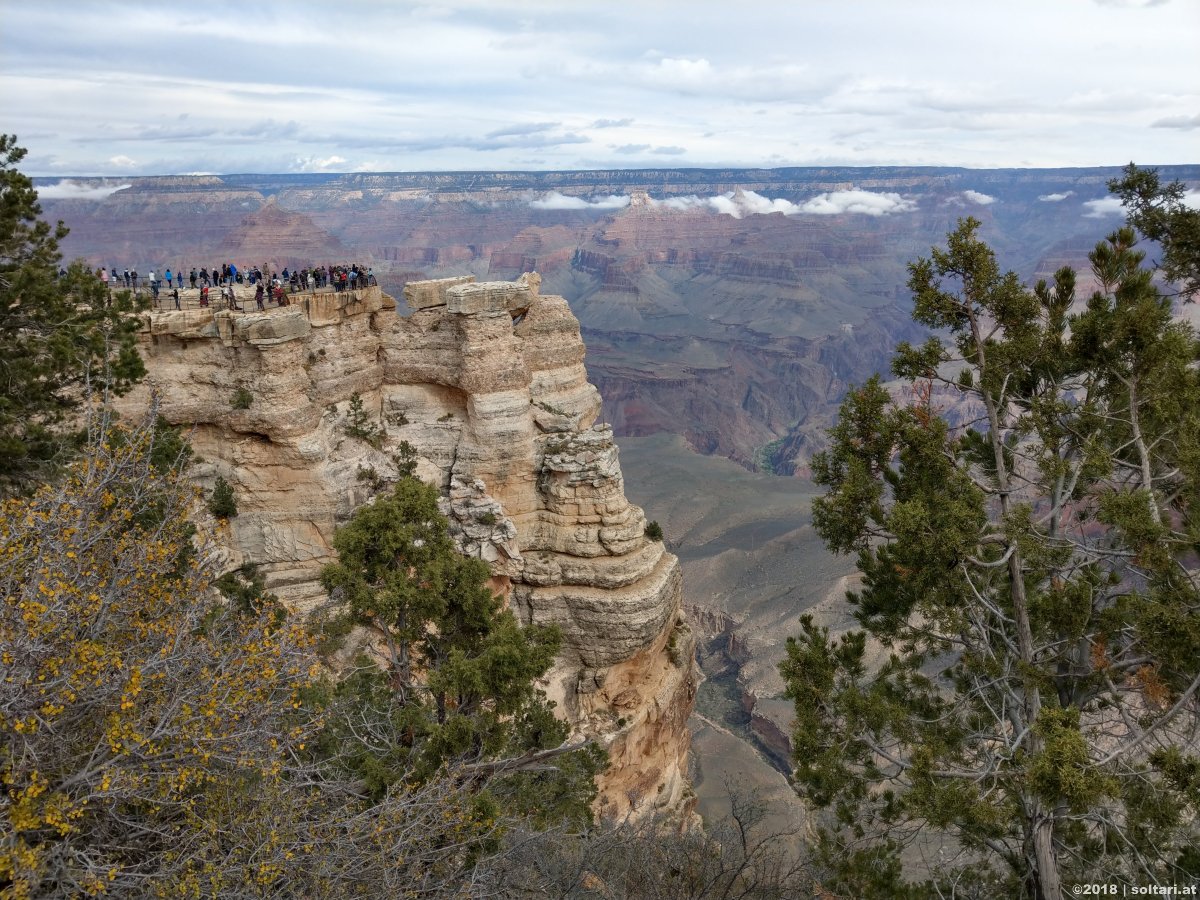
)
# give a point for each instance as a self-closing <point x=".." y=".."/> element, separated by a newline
<point x="58" y="333"/>
<point x="157" y="740"/>
<point x="454" y="681"/>
<point x="160" y="737"/>
<point x="1029" y="581"/>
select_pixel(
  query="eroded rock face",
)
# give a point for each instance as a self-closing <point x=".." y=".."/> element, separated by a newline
<point x="487" y="383"/>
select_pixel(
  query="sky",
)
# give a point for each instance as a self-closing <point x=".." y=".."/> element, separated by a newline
<point x="153" y="87"/>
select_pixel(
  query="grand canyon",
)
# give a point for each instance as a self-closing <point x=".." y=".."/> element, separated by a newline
<point x="724" y="315"/>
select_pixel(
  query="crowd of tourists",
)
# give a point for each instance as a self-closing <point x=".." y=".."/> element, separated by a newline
<point x="338" y="277"/>
<point x="268" y="287"/>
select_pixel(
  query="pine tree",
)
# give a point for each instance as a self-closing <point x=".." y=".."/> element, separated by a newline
<point x="1159" y="212"/>
<point x="1028" y="576"/>
<point x="56" y="334"/>
<point x="458" y="684"/>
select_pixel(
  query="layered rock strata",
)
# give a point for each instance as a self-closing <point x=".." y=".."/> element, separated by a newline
<point x="301" y="409"/>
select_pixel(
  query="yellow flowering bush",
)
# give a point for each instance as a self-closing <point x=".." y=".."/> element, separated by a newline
<point x="135" y="704"/>
<point x="160" y="740"/>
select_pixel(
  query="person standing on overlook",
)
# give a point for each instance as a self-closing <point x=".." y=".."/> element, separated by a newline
<point x="167" y="275"/>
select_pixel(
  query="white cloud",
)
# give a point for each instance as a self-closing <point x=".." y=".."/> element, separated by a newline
<point x="750" y="203"/>
<point x="320" y="164"/>
<point x="122" y="162"/>
<point x="431" y="12"/>
<point x="1105" y="206"/>
<point x="681" y="204"/>
<point x="977" y="197"/>
<point x="726" y="205"/>
<point x="683" y="73"/>
<point x="1111" y="206"/>
<point x="1055" y="198"/>
<point x="555" y="200"/>
<point x="866" y="202"/>
<point x="755" y="204"/>
<point x="73" y="190"/>
<point x="732" y="203"/>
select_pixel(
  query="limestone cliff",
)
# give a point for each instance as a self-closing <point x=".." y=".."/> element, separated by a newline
<point x="487" y="382"/>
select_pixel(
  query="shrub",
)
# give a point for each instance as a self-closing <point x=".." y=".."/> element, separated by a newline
<point x="654" y="531"/>
<point x="222" y="503"/>
<point x="160" y="741"/>
<point x="143" y="721"/>
<point x="405" y="460"/>
<point x="242" y="398"/>
<point x="370" y="477"/>
<point x="359" y="424"/>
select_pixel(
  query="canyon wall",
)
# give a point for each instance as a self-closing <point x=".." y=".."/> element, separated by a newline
<point x="301" y="408"/>
<point x="708" y="312"/>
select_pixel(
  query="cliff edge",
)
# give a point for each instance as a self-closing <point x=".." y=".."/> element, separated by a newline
<point x="301" y="408"/>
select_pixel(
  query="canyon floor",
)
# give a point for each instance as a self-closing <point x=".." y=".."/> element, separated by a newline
<point x="751" y="565"/>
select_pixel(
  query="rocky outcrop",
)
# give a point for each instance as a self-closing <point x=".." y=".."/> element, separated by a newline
<point x="301" y="408"/>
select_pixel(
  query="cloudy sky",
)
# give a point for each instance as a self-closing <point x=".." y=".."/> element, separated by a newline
<point x="100" y="87"/>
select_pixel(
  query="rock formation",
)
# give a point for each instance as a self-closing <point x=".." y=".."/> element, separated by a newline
<point x="487" y="382"/>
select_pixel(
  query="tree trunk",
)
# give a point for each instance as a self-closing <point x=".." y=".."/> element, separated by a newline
<point x="1045" y="859"/>
<point x="1143" y="452"/>
<point x="1049" y="881"/>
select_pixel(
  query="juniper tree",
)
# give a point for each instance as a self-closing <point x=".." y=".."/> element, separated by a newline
<point x="458" y="679"/>
<point x="55" y="333"/>
<point x="1024" y="513"/>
